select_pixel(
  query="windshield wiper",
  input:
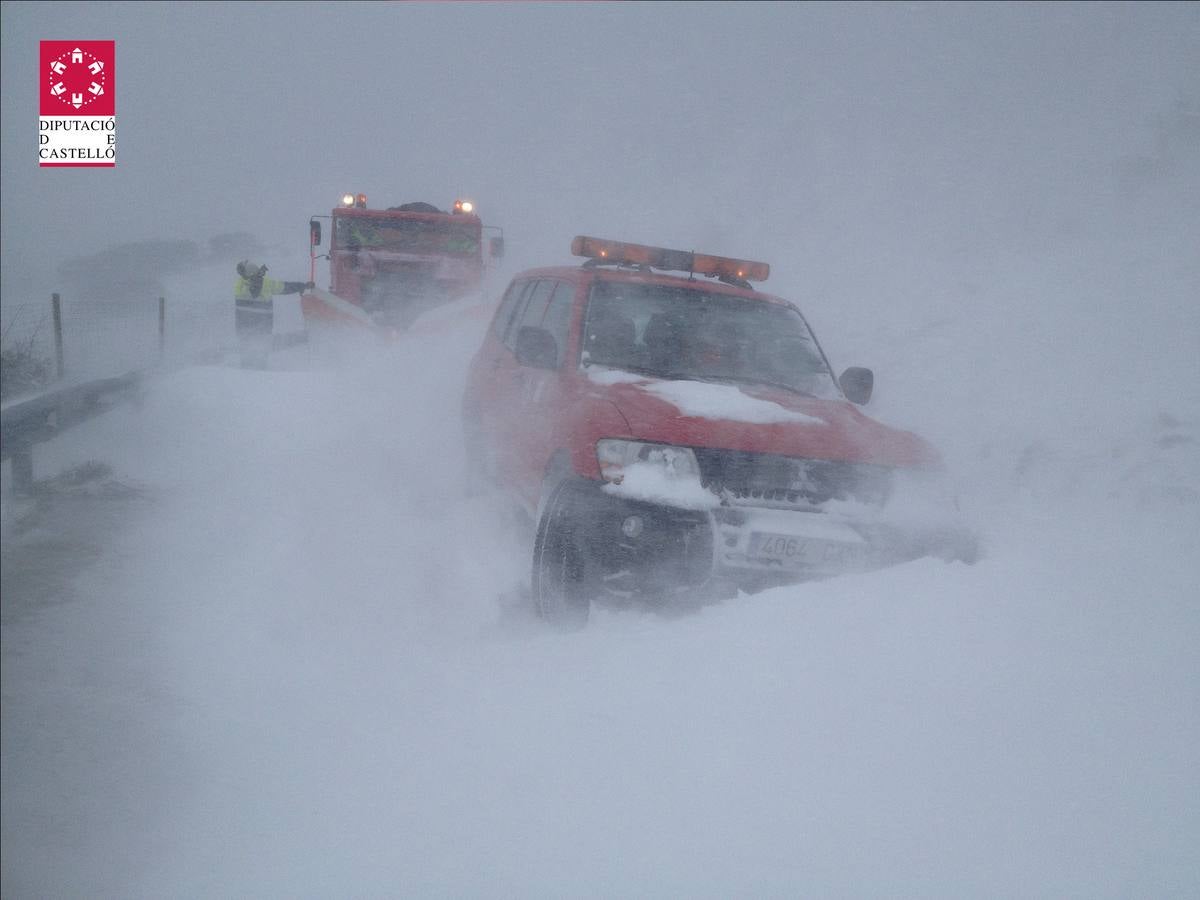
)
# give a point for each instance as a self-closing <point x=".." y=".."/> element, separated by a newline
<point x="637" y="370"/>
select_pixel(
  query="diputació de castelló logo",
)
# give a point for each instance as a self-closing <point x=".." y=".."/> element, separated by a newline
<point x="77" y="123"/>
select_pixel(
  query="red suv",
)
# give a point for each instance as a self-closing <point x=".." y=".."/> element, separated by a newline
<point x="683" y="433"/>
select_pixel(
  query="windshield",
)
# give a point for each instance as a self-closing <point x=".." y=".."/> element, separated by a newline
<point x="407" y="234"/>
<point x="683" y="333"/>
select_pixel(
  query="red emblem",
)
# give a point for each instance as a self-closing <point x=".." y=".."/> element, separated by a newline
<point x="77" y="78"/>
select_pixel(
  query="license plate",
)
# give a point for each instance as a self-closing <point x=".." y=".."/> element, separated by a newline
<point x="803" y="552"/>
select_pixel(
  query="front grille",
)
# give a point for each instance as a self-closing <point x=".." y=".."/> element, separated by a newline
<point x="761" y="479"/>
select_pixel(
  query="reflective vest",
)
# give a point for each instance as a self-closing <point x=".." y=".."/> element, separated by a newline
<point x="270" y="287"/>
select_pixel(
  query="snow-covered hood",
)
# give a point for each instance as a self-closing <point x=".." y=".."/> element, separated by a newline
<point x="759" y="419"/>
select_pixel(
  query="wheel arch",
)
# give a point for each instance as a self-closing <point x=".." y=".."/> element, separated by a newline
<point x="558" y="469"/>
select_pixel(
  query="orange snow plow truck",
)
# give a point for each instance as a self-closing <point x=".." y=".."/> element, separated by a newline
<point x="388" y="266"/>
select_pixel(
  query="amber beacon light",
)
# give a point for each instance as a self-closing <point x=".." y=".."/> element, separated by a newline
<point x="670" y="260"/>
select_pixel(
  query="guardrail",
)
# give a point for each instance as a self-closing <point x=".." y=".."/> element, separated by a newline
<point x="27" y="422"/>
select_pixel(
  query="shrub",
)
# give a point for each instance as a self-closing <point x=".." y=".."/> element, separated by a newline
<point x="22" y="370"/>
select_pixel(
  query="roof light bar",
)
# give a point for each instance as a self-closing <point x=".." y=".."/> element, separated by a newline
<point x="670" y="260"/>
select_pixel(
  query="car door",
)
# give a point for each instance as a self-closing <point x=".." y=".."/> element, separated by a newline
<point x="511" y="387"/>
<point x="490" y="398"/>
<point x="542" y="409"/>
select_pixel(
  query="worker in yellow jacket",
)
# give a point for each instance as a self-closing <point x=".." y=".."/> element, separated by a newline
<point x="254" y="313"/>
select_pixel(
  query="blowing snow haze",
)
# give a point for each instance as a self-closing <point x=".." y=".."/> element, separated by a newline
<point x="786" y="133"/>
<point x="256" y="641"/>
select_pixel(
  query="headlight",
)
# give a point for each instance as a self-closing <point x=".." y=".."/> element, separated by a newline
<point x="617" y="456"/>
<point x="654" y="473"/>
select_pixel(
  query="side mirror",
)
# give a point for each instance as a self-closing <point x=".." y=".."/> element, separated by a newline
<point x="496" y="247"/>
<point x="536" y="347"/>
<point x="314" y="233"/>
<point x="857" y="384"/>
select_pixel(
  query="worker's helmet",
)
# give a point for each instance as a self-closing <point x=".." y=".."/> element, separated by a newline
<point x="249" y="269"/>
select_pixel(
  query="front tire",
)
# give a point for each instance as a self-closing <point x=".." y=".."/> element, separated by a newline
<point x="561" y="595"/>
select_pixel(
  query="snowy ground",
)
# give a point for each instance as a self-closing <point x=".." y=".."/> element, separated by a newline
<point x="271" y="657"/>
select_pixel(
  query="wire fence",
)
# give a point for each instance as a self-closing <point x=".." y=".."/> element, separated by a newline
<point x="27" y="327"/>
<point x="90" y="339"/>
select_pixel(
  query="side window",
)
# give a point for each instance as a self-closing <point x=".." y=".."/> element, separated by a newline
<point x="531" y="313"/>
<point x="558" y="315"/>
<point x="508" y="307"/>
<point x="522" y="313"/>
<point x="535" y="309"/>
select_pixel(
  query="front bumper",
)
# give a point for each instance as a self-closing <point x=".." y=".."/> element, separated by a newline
<point x="786" y="545"/>
<point x="640" y="546"/>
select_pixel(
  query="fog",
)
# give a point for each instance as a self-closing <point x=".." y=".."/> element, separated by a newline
<point x="273" y="650"/>
<point x="789" y="133"/>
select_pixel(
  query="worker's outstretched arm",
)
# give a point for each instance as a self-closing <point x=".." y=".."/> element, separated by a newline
<point x="295" y="287"/>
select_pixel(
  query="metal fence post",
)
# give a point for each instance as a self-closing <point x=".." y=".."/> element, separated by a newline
<point x="162" y="327"/>
<point x="56" y="306"/>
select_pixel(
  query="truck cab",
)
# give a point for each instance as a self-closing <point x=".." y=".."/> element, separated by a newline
<point x="387" y="266"/>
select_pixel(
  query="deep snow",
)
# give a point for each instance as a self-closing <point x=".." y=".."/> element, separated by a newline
<point x="296" y="666"/>
<point x="276" y="653"/>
